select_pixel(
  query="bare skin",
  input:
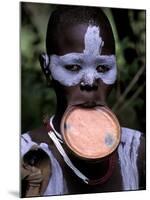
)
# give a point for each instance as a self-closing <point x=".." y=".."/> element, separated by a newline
<point x="34" y="177"/>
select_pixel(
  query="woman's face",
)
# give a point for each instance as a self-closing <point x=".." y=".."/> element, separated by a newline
<point x="83" y="67"/>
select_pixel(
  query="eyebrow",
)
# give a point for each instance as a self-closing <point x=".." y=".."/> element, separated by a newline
<point x="73" y="60"/>
<point x="77" y="60"/>
<point x="104" y="59"/>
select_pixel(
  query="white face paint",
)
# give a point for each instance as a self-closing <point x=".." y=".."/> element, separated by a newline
<point x="87" y="63"/>
<point x="88" y="72"/>
<point x="92" y="40"/>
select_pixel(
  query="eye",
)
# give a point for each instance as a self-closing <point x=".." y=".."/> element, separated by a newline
<point x="74" y="68"/>
<point x="102" y="68"/>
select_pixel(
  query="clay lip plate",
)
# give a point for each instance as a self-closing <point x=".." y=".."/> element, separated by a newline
<point x="91" y="133"/>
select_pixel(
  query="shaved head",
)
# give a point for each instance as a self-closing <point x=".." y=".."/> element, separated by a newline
<point x="67" y="27"/>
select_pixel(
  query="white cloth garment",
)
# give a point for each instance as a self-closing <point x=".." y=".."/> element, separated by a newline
<point x="127" y="151"/>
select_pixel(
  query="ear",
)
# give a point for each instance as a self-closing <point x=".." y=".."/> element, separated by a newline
<point x="44" y="62"/>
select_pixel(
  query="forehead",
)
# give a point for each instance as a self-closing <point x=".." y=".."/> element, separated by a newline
<point x="71" y="39"/>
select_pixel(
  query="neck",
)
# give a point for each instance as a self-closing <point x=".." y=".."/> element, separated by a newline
<point x="61" y="107"/>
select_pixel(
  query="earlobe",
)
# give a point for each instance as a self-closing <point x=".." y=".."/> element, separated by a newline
<point x="44" y="62"/>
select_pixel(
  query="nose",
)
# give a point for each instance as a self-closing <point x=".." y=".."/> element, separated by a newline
<point x="88" y="78"/>
<point x="89" y="81"/>
<point x="88" y="87"/>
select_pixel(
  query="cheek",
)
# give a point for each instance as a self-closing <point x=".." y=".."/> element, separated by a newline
<point x="72" y="91"/>
<point x="104" y="89"/>
<point x="64" y="77"/>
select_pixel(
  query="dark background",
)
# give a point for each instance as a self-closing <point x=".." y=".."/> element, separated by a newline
<point x="129" y="94"/>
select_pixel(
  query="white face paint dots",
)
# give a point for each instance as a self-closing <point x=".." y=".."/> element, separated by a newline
<point x="74" y="68"/>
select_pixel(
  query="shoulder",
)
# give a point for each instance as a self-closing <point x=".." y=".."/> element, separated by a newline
<point x="36" y="137"/>
<point x="129" y="134"/>
<point x="132" y="138"/>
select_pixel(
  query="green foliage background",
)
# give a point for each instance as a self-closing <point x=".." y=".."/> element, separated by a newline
<point x="128" y="96"/>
